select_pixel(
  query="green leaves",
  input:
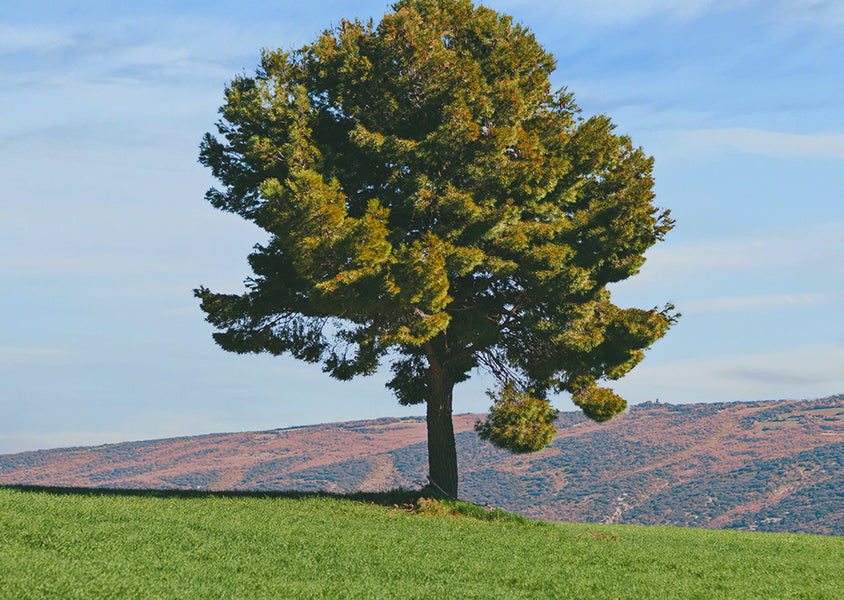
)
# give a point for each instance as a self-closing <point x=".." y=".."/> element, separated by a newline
<point x="517" y="421"/>
<point x="429" y="199"/>
<point x="599" y="404"/>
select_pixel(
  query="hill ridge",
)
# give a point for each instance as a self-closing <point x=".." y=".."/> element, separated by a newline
<point x="774" y="465"/>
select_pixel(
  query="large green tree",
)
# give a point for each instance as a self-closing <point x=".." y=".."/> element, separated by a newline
<point x="432" y="202"/>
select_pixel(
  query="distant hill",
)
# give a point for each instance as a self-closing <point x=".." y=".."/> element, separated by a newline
<point x="768" y="466"/>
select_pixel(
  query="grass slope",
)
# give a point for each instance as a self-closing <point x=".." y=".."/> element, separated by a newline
<point x="96" y="544"/>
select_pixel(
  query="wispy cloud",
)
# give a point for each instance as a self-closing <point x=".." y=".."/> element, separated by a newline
<point x="756" y="303"/>
<point x="824" y="12"/>
<point x="30" y="39"/>
<point x="754" y="141"/>
<point x="807" y="366"/>
<point x="627" y="12"/>
<point x="773" y="270"/>
<point x="818" y="246"/>
<point x="623" y="11"/>
<point x="803" y="372"/>
<point x="16" y="356"/>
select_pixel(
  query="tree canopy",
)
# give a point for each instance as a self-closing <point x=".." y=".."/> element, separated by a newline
<point x="431" y="202"/>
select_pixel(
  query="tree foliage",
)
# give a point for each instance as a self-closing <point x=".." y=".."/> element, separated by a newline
<point x="432" y="202"/>
<point x="518" y="421"/>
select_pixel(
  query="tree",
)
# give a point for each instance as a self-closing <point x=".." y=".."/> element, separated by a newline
<point x="431" y="202"/>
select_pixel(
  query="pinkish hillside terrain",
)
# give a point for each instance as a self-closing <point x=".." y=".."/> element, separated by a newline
<point x="776" y="466"/>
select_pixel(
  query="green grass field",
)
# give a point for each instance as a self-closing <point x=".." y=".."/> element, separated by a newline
<point x="78" y="544"/>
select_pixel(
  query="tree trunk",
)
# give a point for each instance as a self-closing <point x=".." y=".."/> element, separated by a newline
<point x="442" y="452"/>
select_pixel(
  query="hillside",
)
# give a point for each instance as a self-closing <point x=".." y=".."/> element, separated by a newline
<point x="772" y="466"/>
<point x="78" y="544"/>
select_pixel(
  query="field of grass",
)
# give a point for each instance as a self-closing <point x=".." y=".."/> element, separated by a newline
<point x="87" y="544"/>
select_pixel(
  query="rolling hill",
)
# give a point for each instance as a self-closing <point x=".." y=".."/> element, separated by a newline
<point x="768" y="466"/>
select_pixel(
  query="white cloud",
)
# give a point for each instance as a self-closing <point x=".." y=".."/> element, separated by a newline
<point x="752" y="141"/>
<point x="807" y="247"/>
<point x="756" y="302"/>
<point x="16" y="356"/>
<point x="621" y="11"/>
<point x="25" y="39"/>
<point x="774" y="270"/>
<point x="627" y="12"/>
<point x="824" y="12"/>
<point x="804" y="372"/>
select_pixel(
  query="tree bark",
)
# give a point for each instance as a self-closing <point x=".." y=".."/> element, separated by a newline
<point x="442" y="452"/>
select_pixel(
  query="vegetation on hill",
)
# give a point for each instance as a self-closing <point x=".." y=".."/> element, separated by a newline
<point x="770" y="466"/>
<point x="77" y="544"/>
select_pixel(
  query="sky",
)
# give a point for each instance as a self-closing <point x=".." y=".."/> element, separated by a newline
<point x="104" y="231"/>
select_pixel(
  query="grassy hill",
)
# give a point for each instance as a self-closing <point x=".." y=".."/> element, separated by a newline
<point x="772" y="466"/>
<point x="76" y="544"/>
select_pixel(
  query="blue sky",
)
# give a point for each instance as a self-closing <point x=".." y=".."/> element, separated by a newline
<point x="104" y="231"/>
